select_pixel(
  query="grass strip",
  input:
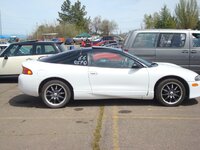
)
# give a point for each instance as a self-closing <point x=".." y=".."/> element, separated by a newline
<point x="97" y="132"/>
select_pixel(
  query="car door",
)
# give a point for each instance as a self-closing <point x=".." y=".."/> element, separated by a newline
<point x="195" y="51"/>
<point x="173" y="48"/>
<point x="111" y="75"/>
<point x="11" y="59"/>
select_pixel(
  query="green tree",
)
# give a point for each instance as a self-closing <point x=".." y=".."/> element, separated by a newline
<point x="148" y="21"/>
<point x="165" y="19"/>
<point x="198" y="25"/>
<point x="162" y="19"/>
<point x="151" y="21"/>
<point x="62" y="30"/>
<point x="187" y="14"/>
<point x="74" y="14"/>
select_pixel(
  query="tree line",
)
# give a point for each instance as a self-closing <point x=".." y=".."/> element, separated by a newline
<point x="186" y="16"/>
<point x="72" y="20"/>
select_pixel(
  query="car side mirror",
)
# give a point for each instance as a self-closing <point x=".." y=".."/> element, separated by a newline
<point x="5" y="57"/>
<point x="135" y="66"/>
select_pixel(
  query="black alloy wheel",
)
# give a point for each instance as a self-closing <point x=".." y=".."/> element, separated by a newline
<point x="170" y="92"/>
<point x="56" y="94"/>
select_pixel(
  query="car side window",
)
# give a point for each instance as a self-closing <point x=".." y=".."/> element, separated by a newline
<point x="45" y="49"/>
<point x="170" y="40"/>
<point x="110" y="60"/>
<point x="196" y="40"/>
<point x="145" y="40"/>
<point x="49" y="49"/>
<point x="19" y="50"/>
<point x="24" y="50"/>
<point x="10" y="50"/>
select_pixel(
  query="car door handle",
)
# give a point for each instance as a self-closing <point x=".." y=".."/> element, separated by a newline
<point x="193" y="51"/>
<point x="28" y="59"/>
<point x="93" y="73"/>
<point x="185" y="51"/>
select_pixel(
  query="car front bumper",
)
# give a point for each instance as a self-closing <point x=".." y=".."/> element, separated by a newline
<point x="194" y="88"/>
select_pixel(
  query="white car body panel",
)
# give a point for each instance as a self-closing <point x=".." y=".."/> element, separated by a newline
<point x="119" y="82"/>
<point x="77" y="76"/>
<point x="159" y="72"/>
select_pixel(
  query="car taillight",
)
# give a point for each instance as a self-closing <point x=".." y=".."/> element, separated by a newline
<point x="26" y="71"/>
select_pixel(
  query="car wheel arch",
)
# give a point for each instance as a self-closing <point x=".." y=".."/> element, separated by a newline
<point x="56" y="78"/>
<point x="173" y="77"/>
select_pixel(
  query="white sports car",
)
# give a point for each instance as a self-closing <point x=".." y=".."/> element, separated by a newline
<point x="105" y="73"/>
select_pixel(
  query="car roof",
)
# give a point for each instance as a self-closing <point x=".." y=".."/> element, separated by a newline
<point x="93" y="48"/>
<point x="88" y="49"/>
<point x="36" y="42"/>
<point x="165" y="30"/>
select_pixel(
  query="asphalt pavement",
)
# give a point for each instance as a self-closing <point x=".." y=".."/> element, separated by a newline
<point x="27" y="124"/>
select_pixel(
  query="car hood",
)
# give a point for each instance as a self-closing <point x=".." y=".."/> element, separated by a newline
<point x="167" y="64"/>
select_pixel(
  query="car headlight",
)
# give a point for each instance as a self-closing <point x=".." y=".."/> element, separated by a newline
<point x="197" y="78"/>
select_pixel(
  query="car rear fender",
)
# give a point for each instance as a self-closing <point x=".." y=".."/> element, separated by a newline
<point x="56" y="78"/>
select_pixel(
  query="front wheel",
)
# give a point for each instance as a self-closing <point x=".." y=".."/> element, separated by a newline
<point x="170" y="92"/>
<point x="55" y="94"/>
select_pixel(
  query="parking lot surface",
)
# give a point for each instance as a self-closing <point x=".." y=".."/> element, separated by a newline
<point x="26" y="123"/>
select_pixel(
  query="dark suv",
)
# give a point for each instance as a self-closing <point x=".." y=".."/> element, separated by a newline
<point x="12" y="57"/>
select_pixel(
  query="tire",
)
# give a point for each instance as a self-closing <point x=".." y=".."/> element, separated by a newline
<point x="55" y="94"/>
<point x="170" y="92"/>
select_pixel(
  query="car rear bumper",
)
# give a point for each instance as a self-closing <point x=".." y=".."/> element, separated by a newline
<point x="31" y="88"/>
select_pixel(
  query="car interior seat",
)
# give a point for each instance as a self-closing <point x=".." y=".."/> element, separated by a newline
<point x="176" y="41"/>
<point x="38" y="51"/>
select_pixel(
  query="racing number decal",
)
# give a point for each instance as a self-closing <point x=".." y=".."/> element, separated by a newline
<point x="82" y="60"/>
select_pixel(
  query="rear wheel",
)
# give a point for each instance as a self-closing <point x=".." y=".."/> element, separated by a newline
<point x="170" y="92"/>
<point x="55" y="94"/>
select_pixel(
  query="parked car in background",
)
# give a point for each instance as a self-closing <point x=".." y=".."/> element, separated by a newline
<point x="69" y="41"/>
<point x="82" y="37"/>
<point x="102" y="43"/>
<point x="105" y="73"/>
<point x="107" y="38"/>
<point x="86" y="43"/>
<point x="119" y="39"/>
<point x="12" y="57"/>
<point x="181" y="47"/>
<point x="113" y="45"/>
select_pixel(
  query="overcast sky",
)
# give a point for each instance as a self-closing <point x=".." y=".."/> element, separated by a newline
<point x="22" y="16"/>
